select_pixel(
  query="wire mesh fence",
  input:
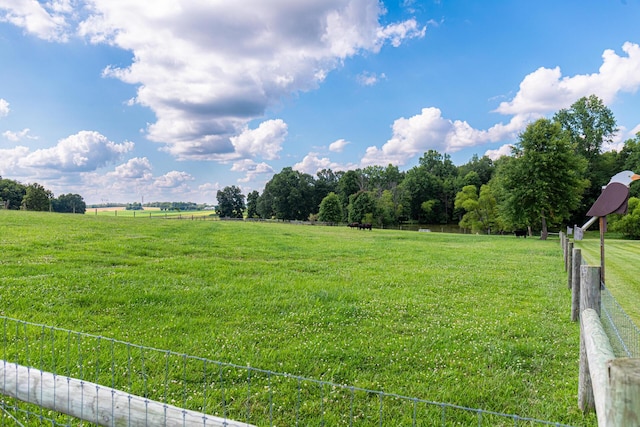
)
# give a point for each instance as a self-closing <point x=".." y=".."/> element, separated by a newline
<point x="623" y="334"/>
<point x="227" y="391"/>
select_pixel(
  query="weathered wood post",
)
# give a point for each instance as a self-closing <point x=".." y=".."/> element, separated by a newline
<point x="623" y="404"/>
<point x="565" y="242"/>
<point x="569" y="265"/>
<point x="599" y="354"/>
<point x="589" y="298"/>
<point x="575" y="284"/>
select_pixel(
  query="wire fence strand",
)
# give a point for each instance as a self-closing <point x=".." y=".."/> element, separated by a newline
<point x="231" y="392"/>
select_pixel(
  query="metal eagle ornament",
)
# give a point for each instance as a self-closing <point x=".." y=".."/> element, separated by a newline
<point x="614" y="199"/>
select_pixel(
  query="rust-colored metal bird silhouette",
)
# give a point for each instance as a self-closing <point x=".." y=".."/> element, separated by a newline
<point x="615" y="196"/>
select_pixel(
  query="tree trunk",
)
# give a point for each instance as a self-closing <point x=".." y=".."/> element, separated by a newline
<point x="545" y="233"/>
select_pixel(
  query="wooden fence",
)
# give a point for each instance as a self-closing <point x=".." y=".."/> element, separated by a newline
<point x="606" y="384"/>
<point x="95" y="403"/>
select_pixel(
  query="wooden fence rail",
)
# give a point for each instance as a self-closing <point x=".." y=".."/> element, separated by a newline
<point x="95" y="403"/>
<point x="607" y="384"/>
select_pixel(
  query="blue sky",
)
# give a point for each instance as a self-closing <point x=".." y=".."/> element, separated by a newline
<point x="172" y="100"/>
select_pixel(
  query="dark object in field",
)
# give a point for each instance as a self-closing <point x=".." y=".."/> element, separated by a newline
<point x="520" y="233"/>
<point x="365" y="226"/>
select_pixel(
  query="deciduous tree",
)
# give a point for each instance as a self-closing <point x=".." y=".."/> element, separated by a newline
<point x="590" y="125"/>
<point x="69" y="203"/>
<point x="252" y="204"/>
<point x="37" y="198"/>
<point x="230" y="202"/>
<point x="544" y="182"/>
<point x="330" y="209"/>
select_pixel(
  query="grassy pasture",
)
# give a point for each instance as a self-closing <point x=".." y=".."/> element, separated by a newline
<point x="622" y="268"/>
<point x="148" y="212"/>
<point x="477" y="321"/>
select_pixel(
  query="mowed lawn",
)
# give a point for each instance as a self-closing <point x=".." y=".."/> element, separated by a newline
<point x="478" y="321"/>
<point x="622" y="269"/>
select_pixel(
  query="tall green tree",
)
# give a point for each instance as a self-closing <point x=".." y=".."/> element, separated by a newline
<point x="440" y="166"/>
<point x="481" y="211"/>
<point x="288" y="195"/>
<point x="348" y="184"/>
<point x="326" y="182"/>
<point x="230" y="202"/>
<point x="37" y="198"/>
<point x="420" y="186"/>
<point x="482" y="166"/>
<point x="11" y="194"/>
<point x="252" y="204"/>
<point x="362" y="207"/>
<point x="590" y="125"/>
<point x="544" y="181"/>
<point x="69" y="203"/>
<point x="330" y="209"/>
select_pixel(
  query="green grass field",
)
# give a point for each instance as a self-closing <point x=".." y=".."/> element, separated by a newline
<point x="622" y="269"/>
<point x="477" y="321"/>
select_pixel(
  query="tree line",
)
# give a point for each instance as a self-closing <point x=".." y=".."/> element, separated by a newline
<point x="554" y="174"/>
<point x="34" y="197"/>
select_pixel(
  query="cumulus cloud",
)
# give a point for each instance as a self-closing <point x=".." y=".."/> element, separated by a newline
<point x="504" y="150"/>
<point x="206" y="70"/>
<point x="82" y="152"/>
<point x="136" y="168"/>
<point x="338" y="146"/>
<point x="547" y="90"/>
<point x="47" y="21"/>
<point x="312" y="163"/>
<point x="10" y="160"/>
<point x="173" y="179"/>
<point x="251" y="169"/>
<point x="265" y="141"/>
<point x="4" y="108"/>
<point x="541" y="93"/>
<point x="18" y="136"/>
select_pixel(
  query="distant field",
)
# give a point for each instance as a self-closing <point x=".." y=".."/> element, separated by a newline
<point x="147" y="212"/>
<point x="477" y="321"/>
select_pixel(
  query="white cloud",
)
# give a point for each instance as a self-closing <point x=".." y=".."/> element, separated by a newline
<point x="251" y="169"/>
<point x="44" y="20"/>
<point x="370" y="79"/>
<point x="338" y="146"/>
<point x="541" y="93"/>
<point x="504" y="150"/>
<point x="173" y="179"/>
<point x="546" y="90"/>
<point x="400" y="31"/>
<point x="206" y="69"/>
<point x="312" y="163"/>
<point x="82" y="152"/>
<point x="4" y="108"/>
<point x="18" y="136"/>
<point x="136" y="168"/>
<point x="9" y="161"/>
<point x="265" y="141"/>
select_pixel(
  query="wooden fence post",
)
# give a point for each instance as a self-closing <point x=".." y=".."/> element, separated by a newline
<point x="589" y="298"/>
<point x="623" y="403"/>
<point x="599" y="354"/>
<point x="565" y="242"/>
<point x="575" y="284"/>
<point x="569" y="264"/>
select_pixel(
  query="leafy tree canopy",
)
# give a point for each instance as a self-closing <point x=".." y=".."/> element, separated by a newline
<point x="543" y="183"/>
